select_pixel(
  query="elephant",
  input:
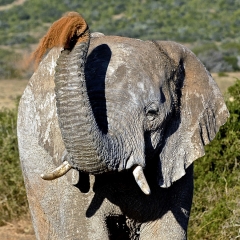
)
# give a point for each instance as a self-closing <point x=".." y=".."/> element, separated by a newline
<point x="108" y="129"/>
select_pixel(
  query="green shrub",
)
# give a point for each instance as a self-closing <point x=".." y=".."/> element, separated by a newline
<point x="8" y="64"/>
<point x="222" y="74"/>
<point x="13" y="201"/>
<point x="204" y="47"/>
<point x="231" y="45"/>
<point x="216" y="204"/>
<point x="218" y="57"/>
<point x="233" y="61"/>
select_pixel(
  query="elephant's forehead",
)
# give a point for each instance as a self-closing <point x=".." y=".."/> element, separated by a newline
<point x="128" y="66"/>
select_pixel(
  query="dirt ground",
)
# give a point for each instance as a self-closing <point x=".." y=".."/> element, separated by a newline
<point x="19" y="230"/>
<point x="9" y="90"/>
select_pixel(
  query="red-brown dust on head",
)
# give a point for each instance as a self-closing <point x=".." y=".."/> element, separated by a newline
<point x="65" y="32"/>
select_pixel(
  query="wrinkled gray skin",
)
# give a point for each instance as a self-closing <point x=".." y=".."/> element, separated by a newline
<point x="151" y="104"/>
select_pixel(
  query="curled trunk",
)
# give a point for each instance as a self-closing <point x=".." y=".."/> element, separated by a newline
<point x="88" y="148"/>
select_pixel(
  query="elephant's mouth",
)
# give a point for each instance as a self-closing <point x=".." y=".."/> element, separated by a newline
<point x="65" y="167"/>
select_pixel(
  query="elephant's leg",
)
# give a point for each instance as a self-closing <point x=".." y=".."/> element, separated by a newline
<point x="173" y="224"/>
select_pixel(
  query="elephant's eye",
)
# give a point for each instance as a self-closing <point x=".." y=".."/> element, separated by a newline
<point x="150" y="117"/>
<point x="152" y="112"/>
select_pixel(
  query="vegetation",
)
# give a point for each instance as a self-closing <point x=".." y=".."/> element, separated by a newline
<point x="203" y="23"/>
<point x="180" y="20"/>
<point x="218" y="57"/>
<point x="13" y="201"/>
<point x="9" y="64"/>
<point x="216" y="206"/>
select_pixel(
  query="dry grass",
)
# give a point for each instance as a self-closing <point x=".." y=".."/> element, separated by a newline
<point x="10" y="89"/>
<point x="225" y="80"/>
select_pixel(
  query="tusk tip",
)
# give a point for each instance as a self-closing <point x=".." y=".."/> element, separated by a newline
<point x="147" y="191"/>
<point x="141" y="180"/>
<point x="45" y="177"/>
<point x="58" y="172"/>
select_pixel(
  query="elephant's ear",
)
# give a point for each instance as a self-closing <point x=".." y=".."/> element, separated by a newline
<point x="202" y="112"/>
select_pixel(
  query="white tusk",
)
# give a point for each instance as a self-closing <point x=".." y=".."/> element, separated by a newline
<point x="58" y="172"/>
<point x="141" y="180"/>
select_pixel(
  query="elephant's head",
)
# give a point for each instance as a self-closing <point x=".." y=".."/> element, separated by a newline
<point x="128" y="104"/>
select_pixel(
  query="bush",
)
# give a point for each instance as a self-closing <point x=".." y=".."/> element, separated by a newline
<point x="231" y="45"/>
<point x="215" y="61"/>
<point x="204" y="47"/>
<point x="8" y="62"/>
<point x="216" y="203"/>
<point x="233" y="61"/>
<point x="13" y="201"/>
<point x="218" y="57"/>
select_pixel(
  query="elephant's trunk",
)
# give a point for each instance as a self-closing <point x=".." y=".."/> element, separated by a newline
<point x="87" y="146"/>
